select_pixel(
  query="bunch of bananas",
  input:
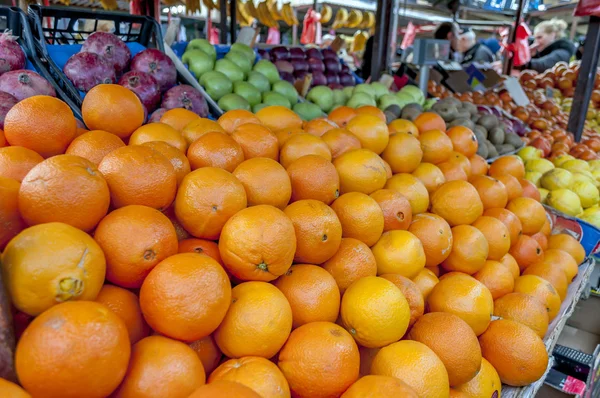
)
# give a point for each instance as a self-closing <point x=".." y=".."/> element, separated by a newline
<point x="368" y="20"/>
<point x="210" y="5"/>
<point x="326" y="14"/>
<point x="360" y="41"/>
<point x="264" y="15"/>
<point x="110" y="5"/>
<point x="289" y="17"/>
<point x="354" y="19"/>
<point x="191" y="6"/>
<point x="242" y="15"/>
<point x="341" y="18"/>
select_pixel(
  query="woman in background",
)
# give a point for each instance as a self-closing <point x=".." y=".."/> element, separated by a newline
<point x="550" y="46"/>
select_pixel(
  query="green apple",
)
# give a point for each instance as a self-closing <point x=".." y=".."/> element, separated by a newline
<point x="258" y="107"/>
<point x="268" y="69"/>
<point x="360" y="99"/>
<point x="348" y="91"/>
<point x="204" y="45"/>
<point x="414" y="92"/>
<point x="307" y="110"/>
<point x="405" y="99"/>
<point x="247" y="91"/>
<point x="271" y="98"/>
<point x="364" y="89"/>
<point x="388" y="99"/>
<point x="287" y="89"/>
<point x="339" y="97"/>
<point x="259" y="81"/>
<point x="233" y="101"/>
<point x="241" y="60"/>
<point x="198" y="62"/>
<point x="379" y="89"/>
<point x="229" y="69"/>
<point x="244" y="49"/>
<point x="216" y="84"/>
<point x="322" y="96"/>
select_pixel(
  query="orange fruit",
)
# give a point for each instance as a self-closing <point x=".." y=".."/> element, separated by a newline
<point x="453" y="341"/>
<point x="340" y="141"/>
<point x="94" y="145"/>
<point x="360" y="170"/>
<point x="411" y="293"/>
<point x="371" y="110"/>
<point x="388" y="169"/>
<point x="512" y="165"/>
<point x="413" y="189"/>
<point x="515" y="351"/>
<point x="531" y="213"/>
<point x="127" y="307"/>
<point x="428" y="121"/>
<point x="300" y="145"/>
<point x="469" y="250"/>
<point x="547" y="228"/>
<point x="284" y="135"/>
<point x="314" y="177"/>
<point x="526" y="251"/>
<point x="497" y="278"/>
<point x="319" y="230"/>
<point x="525" y="309"/>
<point x="403" y="153"/>
<point x="430" y="175"/>
<point x="279" y="118"/>
<point x="478" y="165"/>
<point x="371" y="131"/>
<point x="342" y="115"/>
<point x="256" y="141"/>
<point x="224" y="389"/>
<point x="530" y="190"/>
<point x="158" y="132"/>
<point x="155" y="358"/>
<point x="258" y="322"/>
<point x="353" y="261"/>
<point x="319" y="126"/>
<point x="56" y="357"/>
<point x="416" y="365"/>
<point x="491" y="191"/>
<point x="435" y="269"/>
<point x="372" y="386"/>
<point x="403" y="126"/>
<point x="312" y="293"/>
<point x="464" y="296"/>
<point x="138" y="175"/>
<point x="134" y="239"/>
<point x="11" y="222"/>
<point x="425" y="281"/>
<point x="457" y="202"/>
<point x="553" y="273"/>
<point x="163" y="302"/>
<point x="64" y="188"/>
<point x="16" y="161"/>
<point x="198" y="127"/>
<point x="375" y="312"/>
<point x="435" y="235"/>
<point x="399" y="252"/>
<point x="266" y="182"/>
<point x="12" y="390"/>
<point x="568" y="244"/>
<point x="206" y="199"/>
<point x="452" y="171"/>
<point x="39" y="274"/>
<point x="178" y="118"/>
<point x="366" y="358"/>
<point x="178" y="160"/>
<point x="112" y="108"/>
<point x="314" y="348"/>
<point x="80" y="130"/>
<point x="208" y="352"/>
<point x="215" y="149"/>
<point x="496" y="234"/>
<point x="510" y="221"/>
<point x="436" y="145"/>
<point x="462" y="161"/>
<point x="233" y="119"/>
<point x="512" y="185"/>
<point x="486" y="384"/>
<point x="43" y="124"/>
<point x="258" y="243"/>
<point x="397" y="213"/>
<point x="360" y="217"/>
<point x="259" y="374"/>
<point x="201" y="246"/>
<point x="559" y="258"/>
<point x="542" y="290"/>
<point x="510" y="263"/>
<point x="463" y="140"/>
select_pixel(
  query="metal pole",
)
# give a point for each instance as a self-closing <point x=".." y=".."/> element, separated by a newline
<point x="383" y="15"/>
<point x="513" y="34"/>
<point x="585" y="81"/>
<point x="223" y="21"/>
<point x="232" y="21"/>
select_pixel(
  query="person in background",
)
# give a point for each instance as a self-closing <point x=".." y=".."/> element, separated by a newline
<point x="472" y="52"/>
<point x="367" y="59"/>
<point x="550" y="45"/>
<point x="447" y="31"/>
<point x="327" y="40"/>
<point x="494" y="45"/>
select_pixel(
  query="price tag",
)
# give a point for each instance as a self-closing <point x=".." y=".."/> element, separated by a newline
<point x="516" y="92"/>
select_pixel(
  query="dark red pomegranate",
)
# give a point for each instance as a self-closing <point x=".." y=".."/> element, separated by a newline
<point x="144" y="86"/>
<point x="87" y="70"/>
<point x="159" y="65"/>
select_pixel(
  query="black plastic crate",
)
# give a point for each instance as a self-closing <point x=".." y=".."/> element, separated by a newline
<point x="14" y="19"/>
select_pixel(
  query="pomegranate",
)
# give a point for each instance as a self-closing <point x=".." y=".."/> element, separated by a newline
<point x="184" y="96"/>
<point x="23" y="84"/>
<point x="156" y="115"/>
<point x="12" y="56"/>
<point x="144" y="86"/>
<point x="157" y="64"/>
<point x="7" y="101"/>
<point x="109" y="46"/>
<point x="86" y="70"/>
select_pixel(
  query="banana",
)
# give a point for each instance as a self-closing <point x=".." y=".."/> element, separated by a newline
<point x="274" y="11"/>
<point x="265" y="16"/>
<point x="371" y="19"/>
<point x="208" y="4"/>
<point x="240" y="14"/>
<point x="341" y="18"/>
<point x="354" y="19"/>
<point x="251" y="9"/>
<point x="326" y="14"/>
<point x="288" y="15"/>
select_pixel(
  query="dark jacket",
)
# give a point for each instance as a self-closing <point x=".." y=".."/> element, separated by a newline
<point x="479" y="53"/>
<point x="367" y="59"/>
<point x="560" y="50"/>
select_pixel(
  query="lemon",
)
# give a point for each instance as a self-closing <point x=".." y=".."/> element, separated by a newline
<point x="556" y="179"/>
<point x="534" y="177"/>
<point x="543" y="194"/>
<point x="539" y="165"/>
<point x="575" y="165"/>
<point x="560" y="159"/>
<point x="587" y="192"/>
<point x="565" y="201"/>
<point x="529" y="152"/>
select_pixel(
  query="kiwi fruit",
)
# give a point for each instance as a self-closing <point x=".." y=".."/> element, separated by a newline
<point x="492" y="151"/>
<point x="462" y="122"/>
<point x="488" y="121"/>
<point x="513" y="139"/>
<point x="505" y="148"/>
<point x="469" y="107"/>
<point x="414" y="106"/>
<point x="410" y="113"/>
<point x="482" y="130"/>
<point x="394" y="110"/>
<point x="482" y="149"/>
<point x="496" y="135"/>
<point x="452" y="101"/>
<point x="475" y="118"/>
<point x="463" y="114"/>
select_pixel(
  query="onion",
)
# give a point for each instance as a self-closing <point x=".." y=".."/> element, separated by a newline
<point x="287" y="77"/>
<point x="156" y="115"/>
<point x="87" y="70"/>
<point x="319" y="79"/>
<point x="280" y="53"/>
<point x="316" y="65"/>
<point x="332" y="65"/>
<point x="300" y="74"/>
<point x="264" y="54"/>
<point x="345" y="68"/>
<point x="109" y="46"/>
<point x="329" y="54"/>
<point x="314" y="53"/>
<point x="284" y="66"/>
<point x="335" y="86"/>
<point x="296" y="53"/>
<point x="332" y="78"/>
<point x="12" y="56"/>
<point x="300" y="65"/>
<point x="184" y="96"/>
<point x="144" y="86"/>
<point x="23" y="84"/>
<point x="346" y="79"/>
<point x="7" y="101"/>
<point x="160" y="66"/>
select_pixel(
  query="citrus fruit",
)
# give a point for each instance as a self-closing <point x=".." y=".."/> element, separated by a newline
<point x="497" y="278"/>
<point x="463" y="140"/>
<point x="371" y="131"/>
<point x="233" y="119"/>
<point x="353" y="260"/>
<point x="360" y="170"/>
<point x="360" y="217"/>
<point x="371" y="110"/>
<point x="215" y="149"/>
<point x="266" y="182"/>
<point x="397" y="213"/>
<point x="224" y="389"/>
<point x="496" y="234"/>
<point x="558" y="258"/>
<point x="509" y="262"/>
<point x="403" y="126"/>
<point x="256" y="141"/>
<point x="525" y="309"/>
<point x="486" y="384"/>
<point x="12" y="390"/>
<point x="469" y="250"/>
<point x="452" y="171"/>
<point x="411" y="293"/>
<point x="302" y="144"/>
<point x="198" y="127"/>
<point x="340" y="141"/>
<point x="126" y="306"/>
<point x="413" y="189"/>
<point x="530" y="212"/>
<point x="425" y="281"/>
<point x="430" y="175"/>
<point x="512" y="185"/>
<point x="457" y="202"/>
<point x="319" y="126"/>
<point x="208" y="352"/>
<point x="478" y="165"/>
<point x="314" y="177"/>
<point x="94" y="145"/>
<point x="279" y="118"/>
<point x="568" y="244"/>
<point x="553" y="273"/>
<point x="526" y="251"/>
<point x="16" y="161"/>
<point x="399" y="252"/>
<point x="372" y="386"/>
<point x="427" y="121"/>
<point x="178" y="118"/>
<point x="342" y="115"/>
<point x="461" y="160"/>
<point x="436" y="146"/>
<point x="11" y="222"/>
<point x="491" y="191"/>
<point x="178" y="160"/>
<point x="158" y="132"/>
<point x="541" y="239"/>
<point x="510" y="221"/>
<point x="435" y="236"/>
<point x="403" y="153"/>
<point x="542" y="290"/>
<point x="512" y="165"/>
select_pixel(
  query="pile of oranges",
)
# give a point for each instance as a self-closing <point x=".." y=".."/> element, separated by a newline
<point x="260" y="256"/>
